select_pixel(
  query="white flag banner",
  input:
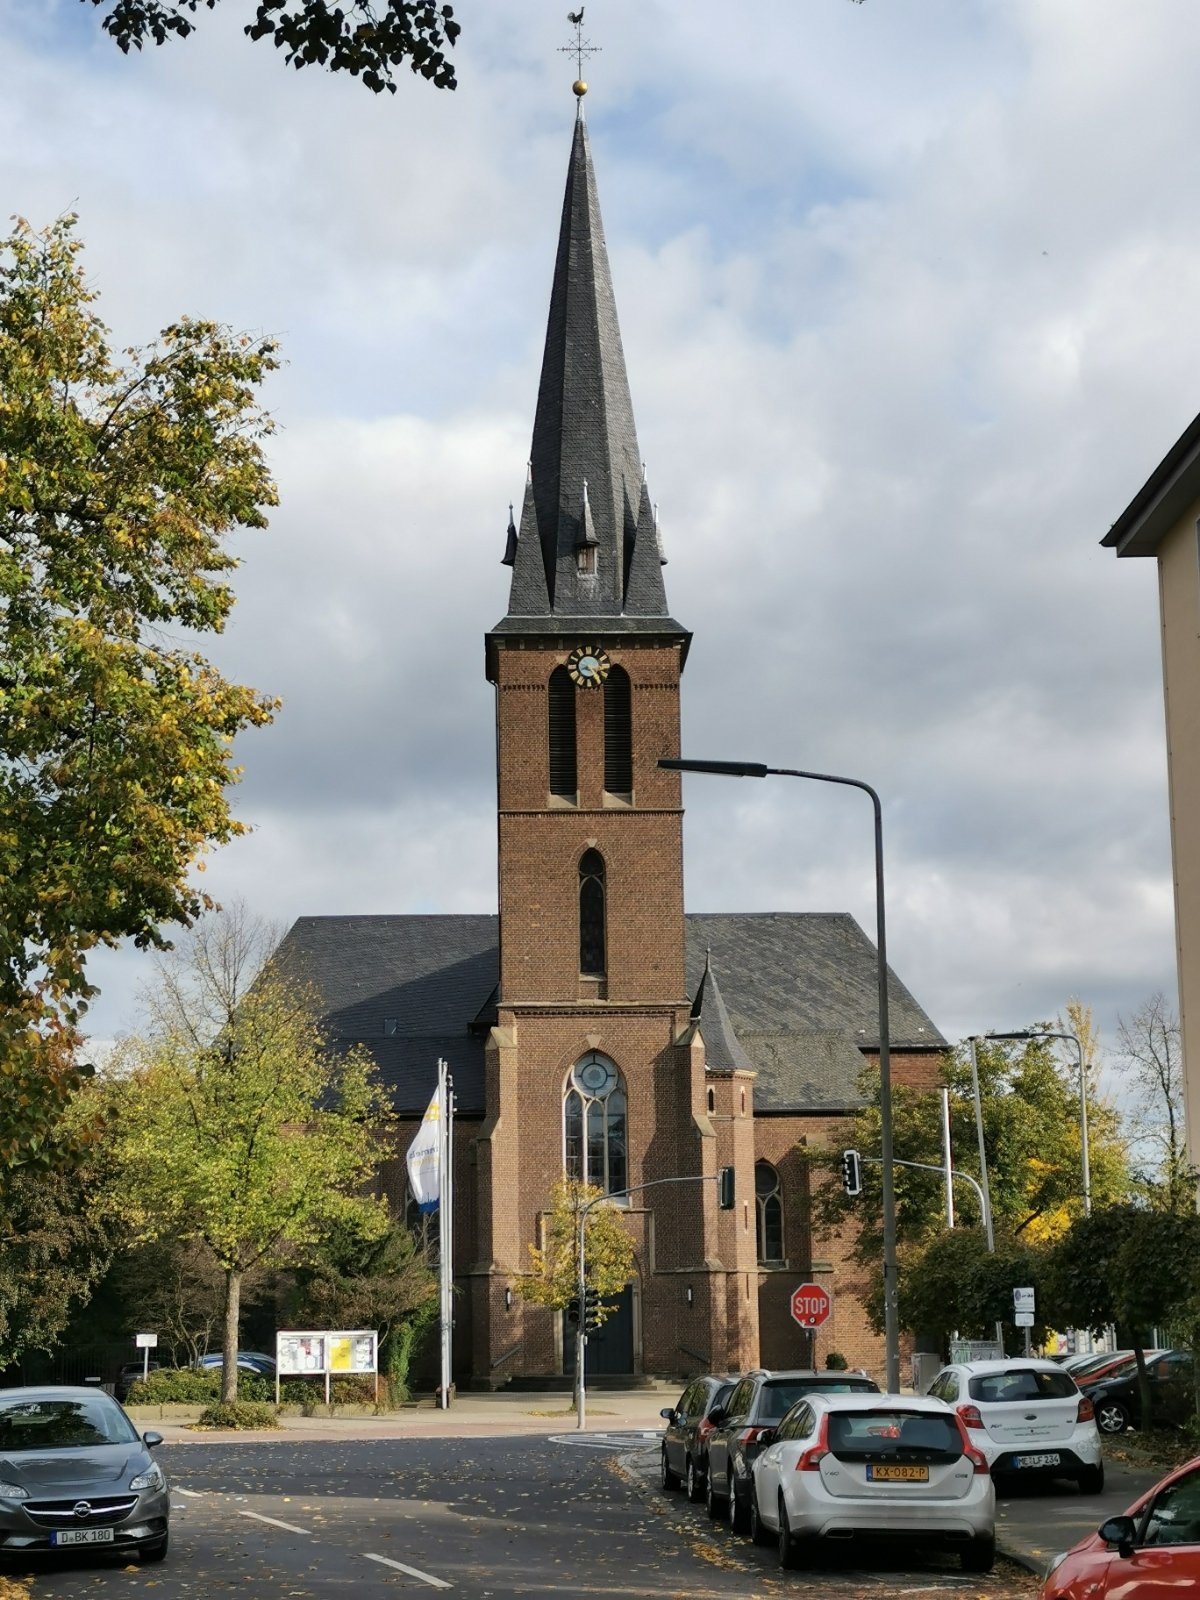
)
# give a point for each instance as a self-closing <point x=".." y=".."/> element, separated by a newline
<point x="425" y="1157"/>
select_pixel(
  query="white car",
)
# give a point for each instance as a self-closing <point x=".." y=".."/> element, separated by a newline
<point x="1028" y="1417"/>
<point x="873" y="1465"/>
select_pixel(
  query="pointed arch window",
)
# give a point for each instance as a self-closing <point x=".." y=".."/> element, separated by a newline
<point x="768" y="1202"/>
<point x="593" y="958"/>
<point x="595" y="1139"/>
<point x="564" y="779"/>
<point x="618" y="733"/>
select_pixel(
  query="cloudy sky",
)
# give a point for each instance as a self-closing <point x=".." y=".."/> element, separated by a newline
<point x="908" y="295"/>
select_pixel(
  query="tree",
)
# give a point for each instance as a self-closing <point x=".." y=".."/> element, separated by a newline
<point x="1152" y="1052"/>
<point x="237" y="1124"/>
<point x="56" y="1246"/>
<point x="956" y="1283"/>
<point x="608" y="1253"/>
<point x="119" y="482"/>
<point x="368" y="40"/>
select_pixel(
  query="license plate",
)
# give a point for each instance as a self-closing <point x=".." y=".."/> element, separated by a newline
<point x="896" y="1474"/>
<point x="82" y="1536"/>
<point x="1051" y="1460"/>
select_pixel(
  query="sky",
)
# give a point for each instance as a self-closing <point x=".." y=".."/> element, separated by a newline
<point x="907" y="292"/>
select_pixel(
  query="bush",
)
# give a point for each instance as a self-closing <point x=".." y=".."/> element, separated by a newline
<point x="242" y="1414"/>
<point x="191" y="1386"/>
<point x="836" y="1362"/>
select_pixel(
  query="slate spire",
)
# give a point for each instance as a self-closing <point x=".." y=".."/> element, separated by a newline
<point x="584" y="434"/>
<point x="723" y="1050"/>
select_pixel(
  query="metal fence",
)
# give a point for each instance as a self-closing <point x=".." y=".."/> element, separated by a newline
<point x="976" y="1350"/>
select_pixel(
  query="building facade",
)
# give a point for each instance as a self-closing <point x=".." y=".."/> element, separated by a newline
<point x="592" y="1026"/>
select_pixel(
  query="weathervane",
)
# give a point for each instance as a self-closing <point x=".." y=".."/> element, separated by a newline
<point x="581" y="48"/>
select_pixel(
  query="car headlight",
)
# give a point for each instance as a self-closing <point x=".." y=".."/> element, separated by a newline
<point x="152" y="1478"/>
<point x="1057" y="1561"/>
<point x="13" y="1491"/>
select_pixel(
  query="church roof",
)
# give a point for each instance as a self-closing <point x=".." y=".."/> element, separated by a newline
<point x="586" y="483"/>
<point x="798" y="992"/>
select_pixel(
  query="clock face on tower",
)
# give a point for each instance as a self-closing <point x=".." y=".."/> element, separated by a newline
<point x="588" y="666"/>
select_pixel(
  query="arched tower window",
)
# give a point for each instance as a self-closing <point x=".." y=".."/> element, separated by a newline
<point x="592" y="950"/>
<point x="618" y="733"/>
<point x="564" y="779"/>
<point x="595" y="1143"/>
<point x="768" y="1200"/>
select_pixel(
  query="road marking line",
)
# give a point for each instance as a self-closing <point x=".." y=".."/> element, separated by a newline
<point x="288" y="1527"/>
<point x="413" y="1572"/>
<point x="192" y="1494"/>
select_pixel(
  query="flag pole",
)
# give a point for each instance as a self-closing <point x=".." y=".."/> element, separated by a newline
<point x="446" y="1227"/>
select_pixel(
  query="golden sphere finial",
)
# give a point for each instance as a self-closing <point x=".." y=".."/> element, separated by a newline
<point x="579" y="87"/>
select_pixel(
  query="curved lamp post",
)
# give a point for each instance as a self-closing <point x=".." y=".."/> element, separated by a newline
<point x="756" y="769"/>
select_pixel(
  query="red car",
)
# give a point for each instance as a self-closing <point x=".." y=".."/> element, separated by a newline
<point x="1152" y="1552"/>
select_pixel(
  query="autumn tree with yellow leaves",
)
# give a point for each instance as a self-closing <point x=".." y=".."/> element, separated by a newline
<point x="608" y="1254"/>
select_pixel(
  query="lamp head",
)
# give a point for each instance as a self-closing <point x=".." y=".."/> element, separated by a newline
<point x="725" y="769"/>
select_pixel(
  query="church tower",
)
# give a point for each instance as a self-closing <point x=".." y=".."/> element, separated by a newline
<point x="596" y="1065"/>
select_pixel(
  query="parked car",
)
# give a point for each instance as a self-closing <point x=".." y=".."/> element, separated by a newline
<point x="76" y="1473"/>
<point x="893" y="1466"/>
<point x="759" y="1401"/>
<point x="1093" y="1367"/>
<point x="1118" y="1403"/>
<point x="1151" y="1551"/>
<point x="685" y="1438"/>
<point x="262" y="1366"/>
<point x="129" y="1375"/>
<point x="1028" y="1417"/>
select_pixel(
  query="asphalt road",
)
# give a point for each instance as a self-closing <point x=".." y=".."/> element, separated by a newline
<point x="298" y="1520"/>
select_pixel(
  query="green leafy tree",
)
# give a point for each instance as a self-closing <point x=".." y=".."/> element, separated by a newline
<point x="608" y="1253"/>
<point x="955" y="1284"/>
<point x="368" y="40"/>
<point x="254" y="1137"/>
<point x="56" y="1247"/>
<point x="119" y="482"/>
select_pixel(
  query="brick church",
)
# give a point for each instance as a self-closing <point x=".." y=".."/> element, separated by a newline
<point x="593" y="1026"/>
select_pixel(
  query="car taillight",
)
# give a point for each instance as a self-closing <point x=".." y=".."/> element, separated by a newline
<point x="810" y="1460"/>
<point x="749" y="1435"/>
<point x="970" y="1416"/>
<point x="978" y="1460"/>
<point x="1087" y="1410"/>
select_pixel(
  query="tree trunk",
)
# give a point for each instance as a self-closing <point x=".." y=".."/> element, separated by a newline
<point x="233" y="1305"/>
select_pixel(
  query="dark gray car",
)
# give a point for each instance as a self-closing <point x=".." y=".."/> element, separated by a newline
<point x="685" y="1438"/>
<point x="74" y="1473"/>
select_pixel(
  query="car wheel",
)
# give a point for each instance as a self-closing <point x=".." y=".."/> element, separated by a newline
<point x="1111" y="1416"/>
<point x="739" y="1517"/>
<point x="979" y="1555"/>
<point x="695" y="1483"/>
<point x="1091" y="1480"/>
<point x="791" y="1549"/>
<point x="668" y="1479"/>
<point x="759" y="1532"/>
<point x="155" y="1552"/>
<point x="714" y="1503"/>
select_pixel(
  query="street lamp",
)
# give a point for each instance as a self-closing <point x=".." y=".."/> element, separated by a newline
<point x="755" y="769"/>
<point x="1072" y="1038"/>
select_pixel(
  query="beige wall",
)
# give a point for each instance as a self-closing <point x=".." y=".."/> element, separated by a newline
<point x="1179" y="611"/>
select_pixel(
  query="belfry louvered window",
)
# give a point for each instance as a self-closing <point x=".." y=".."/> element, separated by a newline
<point x="564" y="779"/>
<point x="592" y="955"/>
<point x="595" y="1141"/>
<point x="768" y="1201"/>
<point x="618" y="733"/>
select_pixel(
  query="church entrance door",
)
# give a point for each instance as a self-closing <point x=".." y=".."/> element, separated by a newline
<point x="609" y="1351"/>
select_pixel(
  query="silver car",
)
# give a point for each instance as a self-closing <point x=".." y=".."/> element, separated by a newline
<point x="873" y="1466"/>
<point x="74" y="1473"/>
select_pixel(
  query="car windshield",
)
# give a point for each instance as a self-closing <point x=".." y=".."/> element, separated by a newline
<point x="51" y="1424"/>
<point x="1021" y="1384"/>
<point x="862" y="1435"/>
<point x="780" y="1397"/>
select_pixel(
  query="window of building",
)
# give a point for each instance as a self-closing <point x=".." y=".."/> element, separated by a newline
<point x="768" y="1197"/>
<point x="391" y="1024"/>
<point x="585" y="560"/>
<point x="564" y="778"/>
<point x="594" y="1134"/>
<point x="618" y="733"/>
<point x="592" y="949"/>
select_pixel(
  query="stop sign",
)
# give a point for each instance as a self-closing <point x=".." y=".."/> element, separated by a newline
<point x="810" y="1305"/>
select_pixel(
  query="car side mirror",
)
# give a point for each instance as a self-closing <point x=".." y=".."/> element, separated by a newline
<point x="151" y="1439"/>
<point x="1119" y="1531"/>
<point x="717" y="1416"/>
<point x="767" y="1436"/>
<point x="667" y="1413"/>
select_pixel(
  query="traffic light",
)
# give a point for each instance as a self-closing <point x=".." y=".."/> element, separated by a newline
<point x="573" y="1309"/>
<point x="851" y="1172"/>
<point x="725" y="1188"/>
<point x="591" y="1311"/>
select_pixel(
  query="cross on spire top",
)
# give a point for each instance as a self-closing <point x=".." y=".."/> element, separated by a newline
<point x="580" y="49"/>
